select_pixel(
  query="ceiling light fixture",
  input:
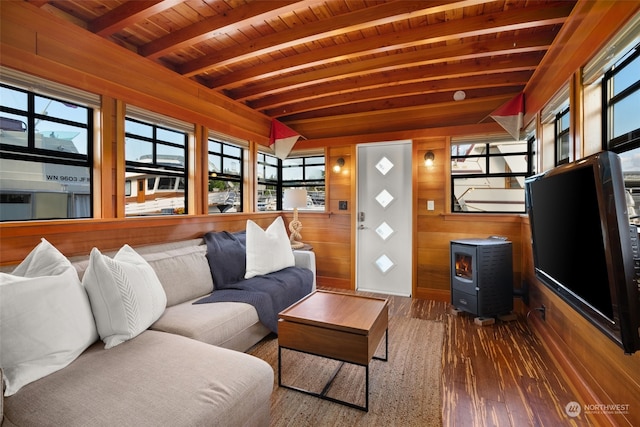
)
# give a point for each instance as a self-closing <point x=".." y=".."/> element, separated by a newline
<point x="459" y="95"/>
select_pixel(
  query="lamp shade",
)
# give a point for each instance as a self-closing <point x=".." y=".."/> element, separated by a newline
<point x="294" y="198"/>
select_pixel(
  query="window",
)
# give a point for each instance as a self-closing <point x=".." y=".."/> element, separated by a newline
<point x="562" y="137"/>
<point x="156" y="174"/>
<point x="269" y="184"/>
<point x="46" y="145"/>
<point x="225" y="176"/>
<point x="621" y="123"/>
<point x="487" y="176"/>
<point x="307" y="173"/>
<point x="630" y="161"/>
<point x="621" y="98"/>
<point x="295" y="172"/>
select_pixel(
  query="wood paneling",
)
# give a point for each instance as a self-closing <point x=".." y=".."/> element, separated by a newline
<point x="597" y="368"/>
<point x="79" y="237"/>
<point x="435" y="229"/>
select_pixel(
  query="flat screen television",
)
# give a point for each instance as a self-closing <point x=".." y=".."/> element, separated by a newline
<point x="582" y="243"/>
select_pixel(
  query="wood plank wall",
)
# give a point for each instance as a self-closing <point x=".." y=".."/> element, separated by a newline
<point x="78" y="237"/>
<point x="593" y="364"/>
<point x="436" y="229"/>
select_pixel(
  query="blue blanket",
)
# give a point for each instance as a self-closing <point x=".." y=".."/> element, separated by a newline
<point x="269" y="294"/>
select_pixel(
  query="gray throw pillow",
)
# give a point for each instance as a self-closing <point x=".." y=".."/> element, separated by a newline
<point x="226" y="254"/>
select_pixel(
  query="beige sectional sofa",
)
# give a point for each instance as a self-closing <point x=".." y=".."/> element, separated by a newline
<point x="187" y="369"/>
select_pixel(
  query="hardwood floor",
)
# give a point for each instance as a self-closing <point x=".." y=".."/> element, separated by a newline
<point x="495" y="375"/>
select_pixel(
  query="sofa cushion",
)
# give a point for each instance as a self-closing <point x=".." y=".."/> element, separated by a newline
<point x="226" y="255"/>
<point x="217" y="324"/>
<point x="156" y="379"/>
<point x="125" y="293"/>
<point x="268" y="293"/>
<point x="172" y="266"/>
<point x="45" y="317"/>
<point x="267" y="250"/>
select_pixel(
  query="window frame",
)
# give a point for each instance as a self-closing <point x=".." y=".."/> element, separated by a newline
<point x="156" y="168"/>
<point x="305" y="182"/>
<point x="560" y="132"/>
<point x="30" y="153"/>
<point x="222" y="176"/>
<point x="487" y="156"/>
<point x="280" y="184"/>
<point x="261" y="162"/>
<point x="624" y="142"/>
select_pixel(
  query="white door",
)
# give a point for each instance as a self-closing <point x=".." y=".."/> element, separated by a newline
<point x="383" y="219"/>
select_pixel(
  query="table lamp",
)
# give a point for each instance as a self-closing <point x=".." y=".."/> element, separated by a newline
<point x="295" y="198"/>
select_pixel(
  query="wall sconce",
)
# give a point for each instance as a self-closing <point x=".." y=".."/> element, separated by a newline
<point x="339" y="165"/>
<point x="428" y="158"/>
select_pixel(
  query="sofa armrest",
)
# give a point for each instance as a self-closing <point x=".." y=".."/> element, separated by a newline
<point x="306" y="259"/>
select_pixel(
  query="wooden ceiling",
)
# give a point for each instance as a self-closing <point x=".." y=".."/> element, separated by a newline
<point x="332" y="68"/>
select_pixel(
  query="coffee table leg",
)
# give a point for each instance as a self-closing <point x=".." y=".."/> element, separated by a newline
<point x="366" y="389"/>
<point x="386" y="347"/>
<point x="279" y="366"/>
<point x="323" y="394"/>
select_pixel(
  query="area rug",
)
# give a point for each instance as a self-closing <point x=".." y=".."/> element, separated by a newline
<point x="404" y="391"/>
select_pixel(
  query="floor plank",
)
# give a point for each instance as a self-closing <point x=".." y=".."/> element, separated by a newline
<point x="500" y="373"/>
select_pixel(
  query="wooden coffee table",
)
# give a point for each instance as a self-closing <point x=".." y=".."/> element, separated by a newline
<point x="338" y="326"/>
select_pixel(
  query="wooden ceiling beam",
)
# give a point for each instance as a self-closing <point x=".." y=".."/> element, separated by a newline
<point x="462" y="50"/>
<point x="127" y="14"/>
<point x="239" y="17"/>
<point x="401" y="119"/>
<point x="392" y="63"/>
<point x="483" y="66"/>
<point x="411" y="101"/>
<point x="519" y="78"/>
<point x="38" y="3"/>
<point x="335" y="26"/>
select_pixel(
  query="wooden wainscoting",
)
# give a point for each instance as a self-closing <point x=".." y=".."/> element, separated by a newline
<point x="598" y="370"/>
<point x="328" y="234"/>
<point x="78" y="237"/>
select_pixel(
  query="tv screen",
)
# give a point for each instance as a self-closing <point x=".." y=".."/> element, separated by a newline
<point x="582" y="243"/>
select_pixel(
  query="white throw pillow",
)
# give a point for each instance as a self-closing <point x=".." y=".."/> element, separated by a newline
<point x="45" y="317"/>
<point x="267" y="250"/>
<point x="125" y="293"/>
